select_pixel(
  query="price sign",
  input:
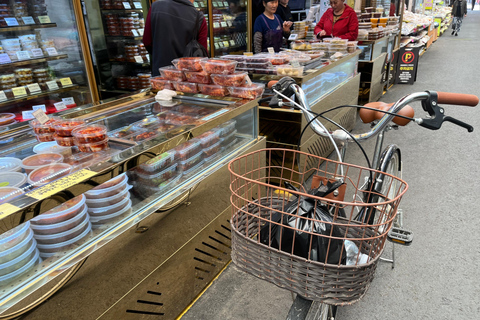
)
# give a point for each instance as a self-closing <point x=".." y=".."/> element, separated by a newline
<point x="11" y="22"/>
<point x="220" y="44"/>
<point x="232" y="43"/>
<point x="40" y="115"/>
<point x="23" y="55"/>
<point x="28" y="20"/>
<point x="40" y="106"/>
<point x="60" y="106"/>
<point x="3" y="97"/>
<point x="66" y="81"/>
<point x="138" y="59"/>
<point x="137" y="5"/>
<point x="126" y="5"/>
<point x="215" y="4"/>
<point x="7" y="209"/>
<point x="52" y="85"/>
<point x="19" y="91"/>
<point x="271" y="50"/>
<point x="229" y="23"/>
<point x="225" y="4"/>
<point x="295" y="63"/>
<point x="4" y="58"/>
<point x="68" y="101"/>
<point x="135" y="33"/>
<point x="51" y="51"/>
<point x="226" y="44"/>
<point x="33" y="87"/>
<point x="216" y="25"/>
<point x="223" y="24"/>
<point x="140" y="32"/>
<point x="217" y="46"/>
<point x="27" y="115"/>
<point x="195" y="5"/>
<point x="293" y="36"/>
<point x="37" y="52"/>
<point x="44" y="19"/>
<point x="248" y="54"/>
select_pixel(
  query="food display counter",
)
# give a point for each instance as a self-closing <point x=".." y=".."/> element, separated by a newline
<point x="134" y="160"/>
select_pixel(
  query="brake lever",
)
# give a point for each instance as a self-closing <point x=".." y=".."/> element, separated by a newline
<point x="459" y="123"/>
<point x="438" y="118"/>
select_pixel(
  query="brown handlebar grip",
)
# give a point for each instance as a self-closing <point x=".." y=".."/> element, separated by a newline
<point x="271" y="83"/>
<point x="460" y="99"/>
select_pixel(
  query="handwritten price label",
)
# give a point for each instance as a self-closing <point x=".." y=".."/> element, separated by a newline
<point x="66" y="81"/>
<point x="19" y="91"/>
<point x="40" y="115"/>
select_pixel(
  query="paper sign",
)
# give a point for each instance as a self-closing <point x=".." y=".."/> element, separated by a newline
<point x="135" y="33"/>
<point x="28" y="20"/>
<point x="229" y="23"/>
<point x="52" y="85"/>
<point x="40" y="115"/>
<point x="216" y="25"/>
<point x="11" y="22"/>
<point x="137" y="5"/>
<point x="33" y="87"/>
<point x="61" y="184"/>
<point x="271" y="50"/>
<point x="40" y="106"/>
<point x="44" y="19"/>
<point x="19" y="91"/>
<point x="37" y="52"/>
<point x="66" y="81"/>
<point x="23" y="55"/>
<point x="60" y="106"/>
<point x="195" y="5"/>
<point x="293" y="36"/>
<point x="225" y="4"/>
<point x="4" y="58"/>
<point x="3" y="97"/>
<point x="215" y="4"/>
<point x="7" y="209"/>
<point x="126" y="5"/>
<point x="232" y="43"/>
<point x="223" y="24"/>
<point x="51" y="51"/>
<point x="27" y="115"/>
<point x="138" y="59"/>
<point x="68" y="101"/>
<point x="295" y="63"/>
<point x="140" y="32"/>
<point x="217" y="46"/>
<point x="226" y="44"/>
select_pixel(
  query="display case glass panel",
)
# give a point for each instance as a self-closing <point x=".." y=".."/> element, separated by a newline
<point x="229" y="24"/>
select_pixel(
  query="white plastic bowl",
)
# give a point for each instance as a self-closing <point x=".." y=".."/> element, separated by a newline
<point x="108" y="210"/>
<point x="14" y="236"/>
<point x="8" y="193"/>
<point x="18" y="249"/>
<point x="109" y="201"/>
<point x="10" y="164"/>
<point x="49" y="229"/>
<point x="66" y="245"/>
<point x="52" y="146"/>
<point x="12" y="179"/>
<point x="62" y="236"/>
<point x="20" y="261"/>
<point x="61" y="213"/>
<point x="23" y="270"/>
<point x="118" y="185"/>
<point x="100" y="220"/>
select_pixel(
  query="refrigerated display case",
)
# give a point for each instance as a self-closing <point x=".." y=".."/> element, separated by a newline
<point x="114" y="30"/>
<point x="138" y="156"/>
<point x="42" y="59"/>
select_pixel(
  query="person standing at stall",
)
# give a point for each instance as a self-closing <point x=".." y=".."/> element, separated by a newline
<point x="339" y="21"/>
<point x="283" y="11"/>
<point x="169" y="28"/>
<point x="459" y="10"/>
<point x="269" y="29"/>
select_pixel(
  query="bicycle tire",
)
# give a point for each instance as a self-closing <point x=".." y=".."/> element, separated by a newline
<point x="304" y="309"/>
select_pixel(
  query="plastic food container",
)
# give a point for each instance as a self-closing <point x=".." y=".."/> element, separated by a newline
<point x="92" y="147"/>
<point x="288" y="70"/>
<point x="66" y="245"/>
<point x="211" y="151"/>
<point x="8" y="193"/>
<point x="158" y="178"/>
<point x="90" y="133"/>
<point x="20" y="261"/>
<point x="15" y="236"/>
<point x="189" y="63"/>
<point x="188" y="149"/>
<point x="47" y="127"/>
<point x="10" y="164"/>
<point x="159" y="162"/>
<point x="52" y="147"/>
<point x="64" y="128"/>
<point x="191" y="162"/>
<point x="186" y="87"/>
<point x="225" y="141"/>
<point x="45" y="174"/>
<point x="19" y="272"/>
<point x="236" y="79"/>
<point x="198" y="77"/>
<point x="233" y="57"/>
<point x="217" y="66"/>
<point x="19" y="248"/>
<point x="64" y="141"/>
<point x="171" y="73"/>
<point x="109" y="188"/>
<point x="209" y="138"/>
<point x="178" y="118"/>
<point x="62" y="236"/>
<point x="63" y="212"/>
<point x="193" y="110"/>
<point x="37" y="160"/>
<point x="253" y="91"/>
<point x="213" y="90"/>
<point x="122" y="133"/>
<point x="54" y="228"/>
<point x="6" y="118"/>
<point x="160" y="83"/>
<point x="147" y="123"/>
<point x="98" y="221"/>
<point x="106" y="210"/>
<point x="108" y="201"/>
<point x="45" y="137"/>
<point x="226" y="128"/>
<point x="12" y="179"/>
<point x="193" y="168"/>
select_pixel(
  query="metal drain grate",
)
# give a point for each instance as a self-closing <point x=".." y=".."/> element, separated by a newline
<point x="144" y="303"/>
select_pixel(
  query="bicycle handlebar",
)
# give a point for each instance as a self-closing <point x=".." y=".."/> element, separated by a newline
<point x="459" y="99"/>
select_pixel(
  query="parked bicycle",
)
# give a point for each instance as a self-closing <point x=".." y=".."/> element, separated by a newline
<point x="323" y="240"/>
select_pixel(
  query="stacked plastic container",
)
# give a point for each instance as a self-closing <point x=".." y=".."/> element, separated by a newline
<point x="62" y="228"/>
<point x="109" y="201"/>
<point x="227" y="134"/>
<point x="18" y="253"/>
<point x="90" y="138"/>
<point x="157" y="173"/>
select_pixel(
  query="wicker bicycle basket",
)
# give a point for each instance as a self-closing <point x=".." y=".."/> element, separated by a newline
<point x="260" y="202"/>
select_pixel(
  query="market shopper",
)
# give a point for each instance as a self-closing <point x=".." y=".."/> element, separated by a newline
<point x="459" y="10"/>
<point x="269" y="29"/>
<point x="169" y="28"/>
<point x="338" y="21"/>
<point x="283" y="11"/>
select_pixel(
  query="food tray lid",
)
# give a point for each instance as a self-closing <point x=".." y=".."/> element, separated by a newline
<point x="107" y="208"/>
<point x="98" y="219"/>
<point x="156" y="175"/>
<point x="12" y="179"/>
<point x="208" y="136"/>
<point x="70" y="205"/>
<point x="61" y="234"/>
<point x="187" y="146"/>
<point x="158" y="161"/>
<point x="14" y="233"/>
<point x="78" y="216"/>
<point x="10" y="164"/>
<point x="33" y="246"/>
<point x="66" y="243"/>
<point x="23" y="269"/>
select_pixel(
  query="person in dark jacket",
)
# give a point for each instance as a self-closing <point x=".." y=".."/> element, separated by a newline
<point x="169" y="28"/>
<point x="283" y="11"/>
<point x="459" y="10"/>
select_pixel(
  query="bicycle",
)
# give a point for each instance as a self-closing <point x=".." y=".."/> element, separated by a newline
<point x="267" y="216"/>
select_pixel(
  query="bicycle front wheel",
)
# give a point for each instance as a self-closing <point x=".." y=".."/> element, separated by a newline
<point x="303" y="309"/>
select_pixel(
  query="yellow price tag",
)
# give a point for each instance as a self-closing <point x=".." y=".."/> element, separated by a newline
<point x="66" y="81"/>
<point x="50" y="189"/>
<point x="19" y="91"/>
<point x="7" y="209"/>
<point x="44" y="19"/>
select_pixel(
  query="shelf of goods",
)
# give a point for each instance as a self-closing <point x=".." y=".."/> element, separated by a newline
<point x="134" y="160"/>
<point x="326" y="86"/>
<point x="120" y="60"/>
<point x="41" y="65"/>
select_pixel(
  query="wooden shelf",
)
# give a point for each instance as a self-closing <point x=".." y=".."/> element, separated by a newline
<point x="28" y="27"/>
<point x="37" y="95"/>
<point x="32" y="61"/>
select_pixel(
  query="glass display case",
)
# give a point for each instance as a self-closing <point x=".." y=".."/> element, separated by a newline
<point x="59" y="203"/>
<point x="115" y="30"/>
<point x="42" y="65"/>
